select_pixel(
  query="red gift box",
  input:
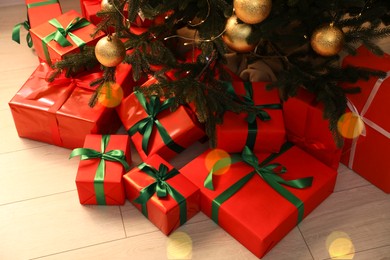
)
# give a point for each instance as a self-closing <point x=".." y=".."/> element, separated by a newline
<point x="89" y="9"/>
<point x="181" y="135"/>
<point x="368" y="154"/>
<point x="41" y="11"/>
<point x="166" y="212"/>
<point x="260" y="136"/>
<point x="257" y="215"/>
<point x="307" y="128"/>
<point x="102" y="187"/>
<point x="75" y="32"/>
<point x="58" y="112"/>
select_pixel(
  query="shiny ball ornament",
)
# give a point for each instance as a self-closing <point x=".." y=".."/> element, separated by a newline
<point x="106" y="5"/>
<point x="110" y="51"/>
<point x="252" y="11"/>
<point x="327" y="40"/>
<point x="235" y="35"/>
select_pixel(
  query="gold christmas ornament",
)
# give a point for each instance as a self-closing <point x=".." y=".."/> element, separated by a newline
<point x="252" y="11"/>
<point x="110" y="51"/>
<point x="327" y="40"/>
<point x="106" y="5"/>
<point x="235" y="35"/>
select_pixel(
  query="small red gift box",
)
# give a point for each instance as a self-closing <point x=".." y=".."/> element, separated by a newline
<point x="161" y="193"/>
<point x="256" y="214"/>
<point x="58" y="113"/>
<point x="239" y="130"/>
<point x="41" y="11"/>
<point x="63" y="35"/>
<point x="154" y="129"/>
<point x="368" y="154"/>
<point x="104" y="160"/>
<point x="307" y="128"/>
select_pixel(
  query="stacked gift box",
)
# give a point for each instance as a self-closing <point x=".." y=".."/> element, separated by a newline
<point x="280" y="161"/>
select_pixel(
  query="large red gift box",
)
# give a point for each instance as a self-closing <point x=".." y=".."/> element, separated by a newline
<point x="63" y="35"/>
<point x="257" y="215"/>
<point x="104" y="161"/>
<point x="169" y="210"/>
<point x="179" y="128"/>
<point x="260" y="135"/>
<point x="307" y="128"/>
<point x="89" y="9"/>
<point x="58" y="113"/>
<point x="368" y="155"/>
<point x="40" y="11"/>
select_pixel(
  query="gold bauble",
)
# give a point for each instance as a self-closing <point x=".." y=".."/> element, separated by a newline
<point x="106" y="5"/>
<point x="110" y="51"/>
<point x="252" y="11"/>
<point x="235" y="35"/>
<point x="327" y="40"/>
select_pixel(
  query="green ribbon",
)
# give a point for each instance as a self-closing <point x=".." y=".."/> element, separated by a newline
<point x="59" y="35"/>
<point x="161" y="188"/>
<point x="268" y="172"/>
<point x="16" y="33"/>
<point x="259" y="113"/>
<point x="145" y="126"/>
<point x="112" y="155"/>
<point x="48" y="2"/>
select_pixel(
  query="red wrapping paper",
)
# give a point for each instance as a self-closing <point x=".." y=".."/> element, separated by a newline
<point x="89" y="9"/>
<point x="232" y="134"/>
<point x="370" y="155"/>
<point x="164" y="213"/>
<point x="184" y="133"/>
<point x="307" y="128"/>
<point x="59" y="114"/>
<point x="56" y="51"/>
<point x="113" y="180"/>
<point x="257" y="216"/>
<point x="41" y="14"/>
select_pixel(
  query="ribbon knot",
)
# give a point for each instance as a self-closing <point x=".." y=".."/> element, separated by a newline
<point x="60" y="34"/>
<point x="112" y="155"/>
<point x="161" y="188"/>
<point x="145" y="126"/>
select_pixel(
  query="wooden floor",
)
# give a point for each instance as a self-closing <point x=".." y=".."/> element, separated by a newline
<point x="41" y="218"/>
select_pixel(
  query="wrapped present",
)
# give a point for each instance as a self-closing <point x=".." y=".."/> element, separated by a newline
<point x="368" y="153"/>
<point x="262" y="131"/>
<point x="104" y="161"/>
<point x="41" y="11"/>
<point x="58" y="112"/>
<point x="154" y="129"/>
<point x="162" y="194"/>
<point x="38" y="12"/>
<point x="254" y="199"/>
<point x="89" y="9"/>
<point x="63" y="35"/>
<point x="307" y="128"/>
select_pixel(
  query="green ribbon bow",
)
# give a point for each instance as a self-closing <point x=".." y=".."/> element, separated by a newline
<point x="145" y="126"/>
<point x="112" y="155"/>
<point x="16" y="33"/>
<point x="161" y="188"/>
<point x="59" y="35"/>
<point x="251" y="118"/>
<point x="268" y="172"/>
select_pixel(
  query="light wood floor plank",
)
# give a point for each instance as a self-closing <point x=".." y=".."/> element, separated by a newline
<point x="53" y="224"/>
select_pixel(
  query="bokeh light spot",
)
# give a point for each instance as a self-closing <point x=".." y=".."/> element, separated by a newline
<point x="179" y="246"/>
<point x="340" y="246"/>
<point x="350" y="125"/>
<point x="214" y="156"/>
<point x="111" y="94"/>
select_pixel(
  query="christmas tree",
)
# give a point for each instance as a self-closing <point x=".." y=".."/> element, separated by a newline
<point x="297" y="43"/>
